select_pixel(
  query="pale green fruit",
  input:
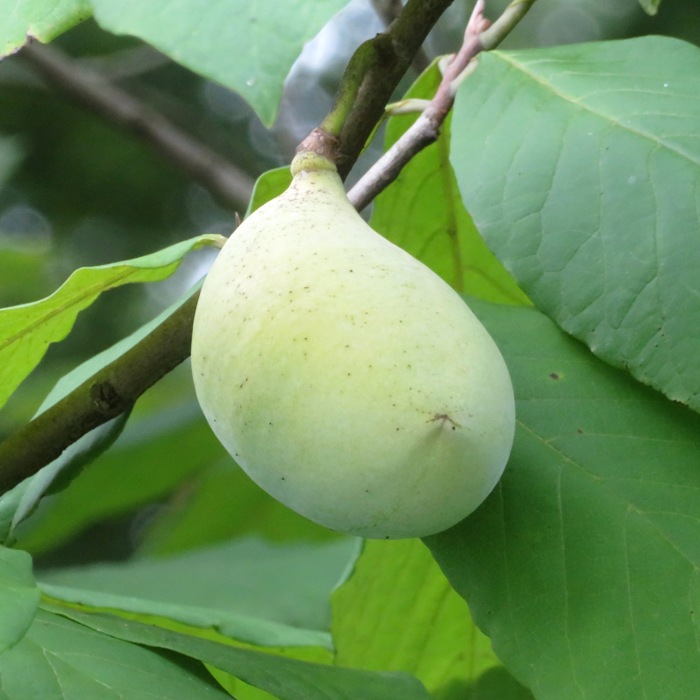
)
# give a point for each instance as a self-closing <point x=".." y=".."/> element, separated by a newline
<point x="346" y="378"/>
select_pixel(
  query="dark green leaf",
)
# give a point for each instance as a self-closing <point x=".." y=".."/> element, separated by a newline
<point x="59" y="659"/>
<point x="154" y="454"/>
<point x="25" y="497"/>
<point x="586" y="555"/>
<point x="222" y="502"/>
<point x="581" y="168"/>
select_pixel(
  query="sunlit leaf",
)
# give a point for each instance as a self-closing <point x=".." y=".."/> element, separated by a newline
<point x="422" y="212"/>
<point x="398" y="612"/>
<point x="26" y="331"/>
<point x="269" y="185"/>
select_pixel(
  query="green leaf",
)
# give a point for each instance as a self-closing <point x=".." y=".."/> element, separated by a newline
<point x="247" y="47"/>
<point x="287" y="679"/>
<point x="247" y="589"/>
<point x="19" y="597"/>
<point x="25" y="497"/>
<point x="27" y="330"/>
<point x="219" y="503"/>
<point x="153" y="455"/>
<point x="39" y="19"/>
<point x="61" y="471"/>
<point x="651" y="7"/>
<point x="268" y="186"/>
<point x="582" y="566"/>
<point x="60" y="659"/>
<point x="398" y="612"/>
<point x="422" y="212"/>
<point x="580" y="167"/>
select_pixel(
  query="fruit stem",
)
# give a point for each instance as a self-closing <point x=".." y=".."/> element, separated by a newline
<point x="310" y="161"/>
<point x="369" y="80"/>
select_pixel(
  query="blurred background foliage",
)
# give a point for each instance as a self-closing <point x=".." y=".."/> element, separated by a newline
<point x="76" y="191"/>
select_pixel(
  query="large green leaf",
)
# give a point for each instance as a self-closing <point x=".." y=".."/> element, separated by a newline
<point x="423" y="213"/>
<point x="59" y="659"/>
<point x="246" y="46"/>
<point x="27" y="330"/>
<point x="582" y="566"/>
<point x="19" y="597"/>
<point x="247" y="589"/>
<point x="397" y="612"/>
<point x="581" y="168"/>
<point x="40" y="19"/>
<point x="285" y="678"/>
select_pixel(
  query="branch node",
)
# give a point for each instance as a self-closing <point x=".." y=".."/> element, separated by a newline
<point x="321" y="142"/>
<point x="105" y="397"/>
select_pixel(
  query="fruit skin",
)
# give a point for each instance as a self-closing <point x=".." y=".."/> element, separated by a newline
<point x="345" y="377"/>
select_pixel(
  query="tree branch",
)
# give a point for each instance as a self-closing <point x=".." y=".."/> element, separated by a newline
<point x="89" y="88"/>
<point x="388" y="11"/>
<point x="108" y="393"/>
<point x="426" y="129"/>
<point x="370" y="79"/>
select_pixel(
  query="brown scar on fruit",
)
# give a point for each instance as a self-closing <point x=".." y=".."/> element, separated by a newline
<point x="445" y="418"/>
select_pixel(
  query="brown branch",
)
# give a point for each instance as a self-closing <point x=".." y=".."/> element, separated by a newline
<point x="110" y="392"/>
<point x="388" y="11"/>
<point x="394" y="51"/>
<point x="89" y="88"/>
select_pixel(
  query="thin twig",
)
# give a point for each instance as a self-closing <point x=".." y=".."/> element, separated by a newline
<point x="89" y="88"/>
<point x="478" y="36"/>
